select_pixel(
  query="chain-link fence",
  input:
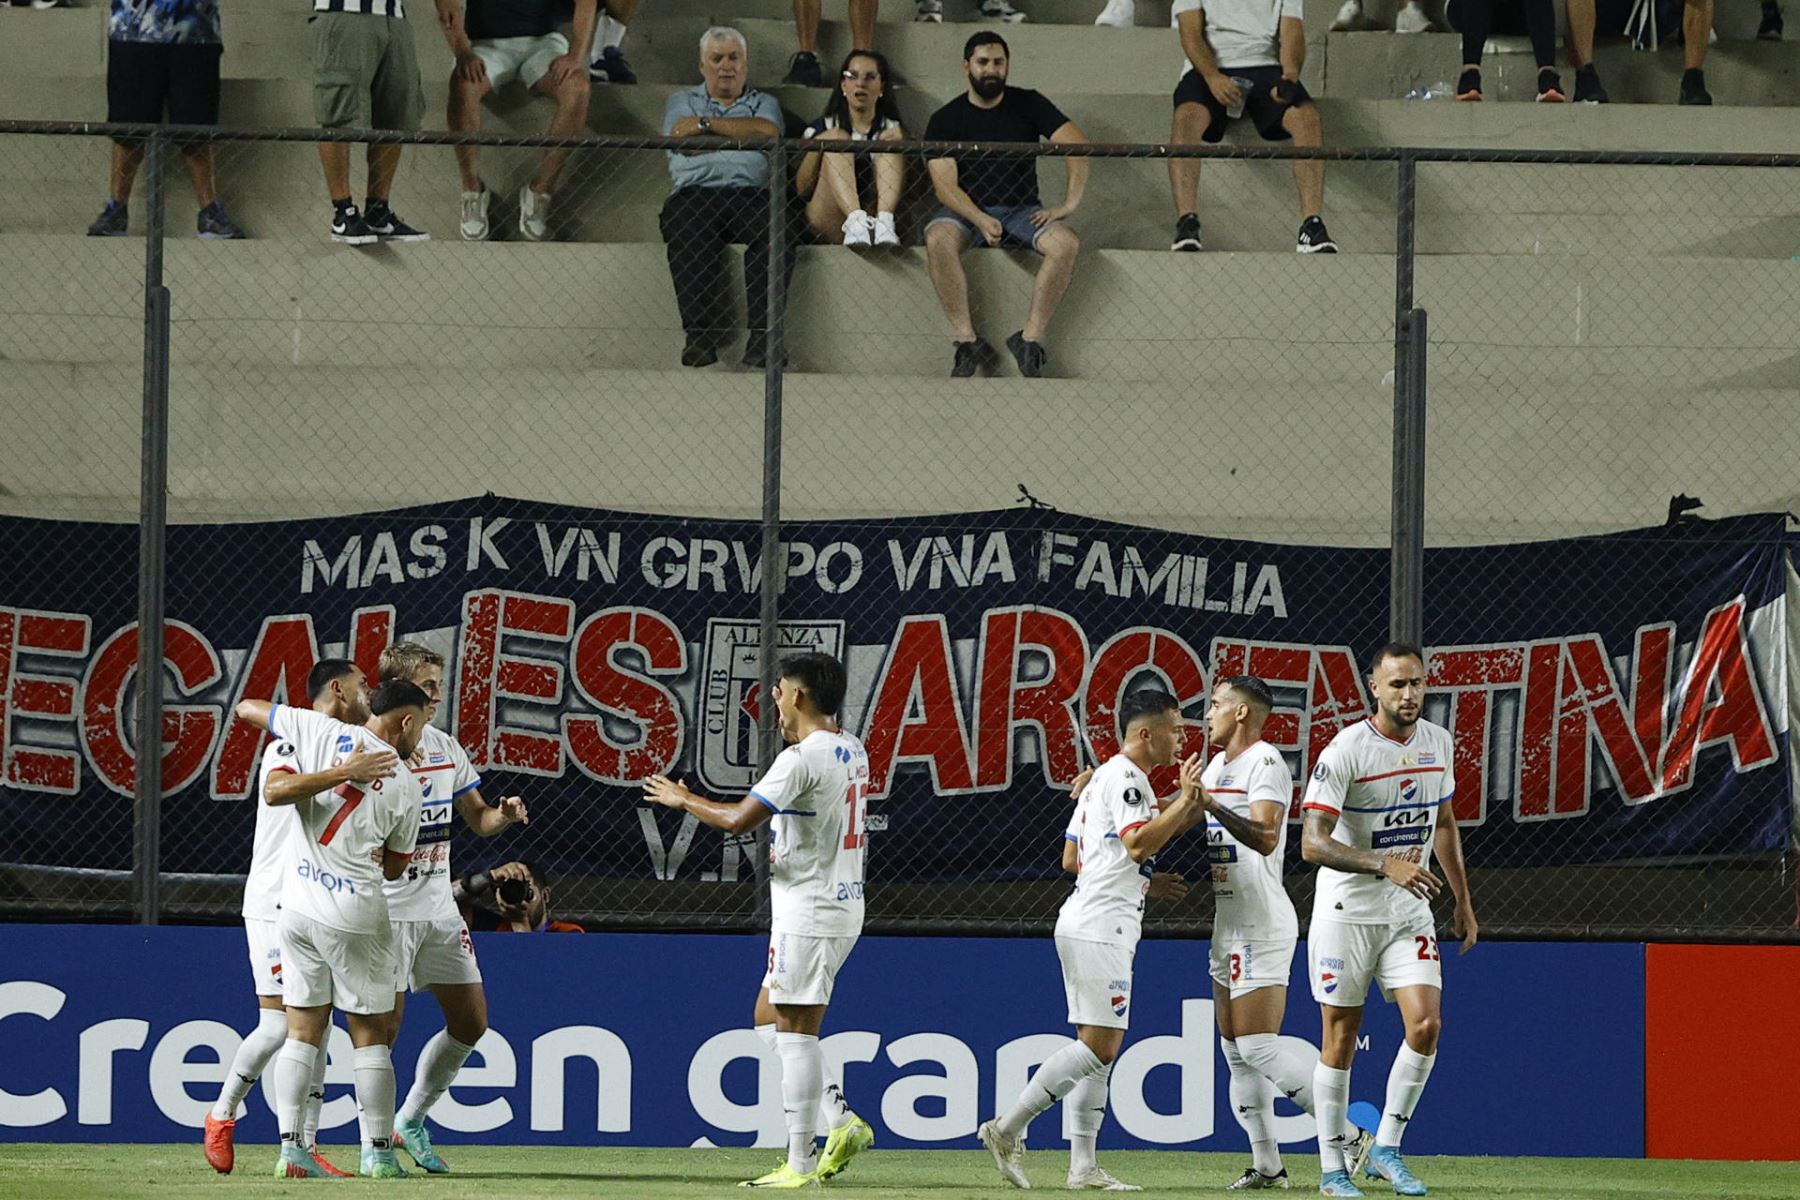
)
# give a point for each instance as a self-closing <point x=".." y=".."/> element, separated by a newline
<point x="568" y="460"/>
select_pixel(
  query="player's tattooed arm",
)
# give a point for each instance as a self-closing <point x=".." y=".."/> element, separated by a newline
<point x="1319" y="847"/>
<point x="1446" y="845"/>
<point x="1261" y="830"/>
<point x="738" y="818"/>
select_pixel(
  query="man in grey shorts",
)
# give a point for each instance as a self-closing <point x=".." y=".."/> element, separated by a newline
<point x="365" y="76"/>
<point x="991" y="200"/>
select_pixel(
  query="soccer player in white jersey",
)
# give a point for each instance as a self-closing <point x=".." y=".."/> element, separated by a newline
<point x="813" y="797"/>
<point x="432" y="949"/>
<point x="1110" y="846"/>
<point x="336" y="940"/>
<point x="1247" y="788"/>
<point x="338" y="689"/>
<point x="1377" y="809"/>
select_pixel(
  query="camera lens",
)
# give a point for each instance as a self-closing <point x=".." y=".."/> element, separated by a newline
<point x="515" y="891"/>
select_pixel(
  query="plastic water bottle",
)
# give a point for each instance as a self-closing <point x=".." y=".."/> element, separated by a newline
<point x="1243" y="86"/>
<point x="1441" y="90"/>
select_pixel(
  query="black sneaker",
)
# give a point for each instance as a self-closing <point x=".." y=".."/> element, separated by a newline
<point x="214" y="224"/>
<point x="111" y="222"/>
<point x="350" y="227"/>
<point x="1549" y="87"/>
<point x="386" y="224"/>
<point x="612" y="63"/>
<point x="1770" y="29"/>
<point x="970" y="357"/>
<point x="1029" y="355"/>
<point x="804" y="71"/>
<point x="1468" y="85"/>
<point x="1187" y="233"/>
<point x="699" y="351"/>
<point x="1314" y="239"/>
<point x="1588" y="89"/>
<point x="1253" y="1180"/>
<point x="1693" y="87"/>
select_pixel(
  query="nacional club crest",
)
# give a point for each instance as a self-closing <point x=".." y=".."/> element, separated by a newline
<point x="731" y="698"/>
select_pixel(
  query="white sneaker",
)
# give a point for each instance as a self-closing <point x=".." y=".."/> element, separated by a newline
<point x="534" y="214"/>
<point x="1002" y="11"/>
<point x="474" y="224"/>
<point x="1120" y="14"/>
<point x="885" y="234"/>
<point x="1412" y="19"/>
<point x="857" y="228"/>
<point x="930" y="10"/>
<point x="1349" y="17"/>
<point x="1008" y="1152"/>
<point x="1099" y="1179"/>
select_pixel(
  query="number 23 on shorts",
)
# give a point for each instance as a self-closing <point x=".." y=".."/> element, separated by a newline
<point x="1428" y="948"/>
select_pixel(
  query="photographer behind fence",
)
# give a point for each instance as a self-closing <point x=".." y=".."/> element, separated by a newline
<point x="511" y="898"/>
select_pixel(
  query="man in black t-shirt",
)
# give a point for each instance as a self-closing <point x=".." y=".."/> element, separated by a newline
<point x="992" y="200"/>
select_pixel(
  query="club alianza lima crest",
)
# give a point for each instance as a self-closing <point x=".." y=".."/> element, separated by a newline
<point x="731" y="699"/>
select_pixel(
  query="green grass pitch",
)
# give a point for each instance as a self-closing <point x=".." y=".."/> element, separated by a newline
<point x="110" y="1172"/>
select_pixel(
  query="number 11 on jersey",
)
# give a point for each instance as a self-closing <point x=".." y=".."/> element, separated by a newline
<point x="854" y="837"/>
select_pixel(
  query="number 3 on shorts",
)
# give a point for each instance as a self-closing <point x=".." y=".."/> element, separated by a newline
<point x="1237" y="968"/>
<point x="1428" y="948"/>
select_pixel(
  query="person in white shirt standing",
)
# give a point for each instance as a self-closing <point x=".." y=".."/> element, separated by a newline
<point x="1247" y="789"/>
<point x="336" y="940"/>
<point x="1110" y="846"/>
<point x="432" y="949"/>
<point x="813" y="797"/>
<point x="1378" y="807"/>
<point x="338" y="689"/>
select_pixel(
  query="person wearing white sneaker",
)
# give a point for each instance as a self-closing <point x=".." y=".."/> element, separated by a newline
<point x="1411" y="18"/>
<point x="1120" y="14"/>
<point x="496" y="42"/>
<point x="1002" y="11"/>
<point x="841" y="188"/>
<point x="930" y="11"/>
<point x="1110" y="846"/>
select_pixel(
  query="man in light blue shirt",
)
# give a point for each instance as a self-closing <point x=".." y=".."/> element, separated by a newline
<point x="721" y="197"/>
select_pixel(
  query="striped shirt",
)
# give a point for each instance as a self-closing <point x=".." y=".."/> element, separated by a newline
<point x="374" y="8"/>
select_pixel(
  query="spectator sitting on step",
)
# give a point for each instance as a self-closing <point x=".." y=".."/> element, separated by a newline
<point x="1411" y="18"/>
<point x="1475" y="20"/>
<point x="834" y="186"/>
<point x="1245" y="58"/>
<point x="162" y="62"/>
<point x="721" y="197"/>
<point x="803" y="68"/>
<point x="496" y="42"/>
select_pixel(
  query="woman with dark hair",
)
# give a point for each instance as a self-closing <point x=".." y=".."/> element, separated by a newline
<point x="835" y="186"/>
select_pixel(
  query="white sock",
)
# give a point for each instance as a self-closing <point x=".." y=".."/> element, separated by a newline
<point x="292" y="1071"/>
<point x="1406" y="1083"/>
<point x="607" y="34"/>
<point x="444" y="1056"/>
<point x="375" y="1096"/>
<point x="1052" y="1081"/>
<point x="615" y="33"/>
<point x="248" y="1064"/>
<point x="834" y="1109"/>
<point x="802" y="1079"/>
<point x="1331" y="1092"/>
<point x="1253" y="1100"/>
<point x="315" y="1099"/>
<point x="1086" y="1107"/>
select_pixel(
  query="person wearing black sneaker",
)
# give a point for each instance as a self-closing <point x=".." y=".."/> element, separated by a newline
<point x="1474" y="19"/>
<point x="606" y="54"/>
<point x="721" y="197"/>
<point x="1696" y="31"/>
<point x="1769" y="30"/>
<point x="803" y="68"/>
<point x="162" y="62"/>
<point x="991" y="200"/>
<point x="1244" y="58"/>
<point x="365" y="76"/>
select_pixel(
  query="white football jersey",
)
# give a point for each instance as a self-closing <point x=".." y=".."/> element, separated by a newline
<point x="442" y="769"/>
<point x="275" y="823"/>
<point x="1107" y="904"/>
<point x="1248" y="899"/>
<point x="334" y="860"/>
<point x="817" y="789"/>
<point x="1385" y="796"/>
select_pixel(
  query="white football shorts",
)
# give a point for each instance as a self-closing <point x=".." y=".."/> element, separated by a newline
<point x="352" y="972"/>
<point x="427" y="953"/>
<point x="1342" y="959"/>
<point x="802" y="969"/>
<point x="264" y="940"/>
<point x="1097" y="981"/>
<point x="1248" y="964"/>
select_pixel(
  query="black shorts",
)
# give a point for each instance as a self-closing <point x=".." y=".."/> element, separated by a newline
<point x="1263" y="109"/>
<point x="145" y="80"/>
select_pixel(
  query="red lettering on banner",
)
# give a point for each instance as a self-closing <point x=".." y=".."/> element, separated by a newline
<point x="34" y="697"/>
<point x="188" y="729"/>
<point x="1124" y="656"/>
<point x="276" y="668"/>
<point x="1719" y="702"/>
<point x="916" y="714"/>
<point x="626" y="695"/>
<point x="1005" y="701"/>
<point x="1472" y="674"/>
<point x="1334" y="698"/>
<point x="371" y="633"/>
<point x="486" y="673"/>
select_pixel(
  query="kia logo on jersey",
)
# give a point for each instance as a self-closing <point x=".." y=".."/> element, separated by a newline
<point x="1409" y="790"/>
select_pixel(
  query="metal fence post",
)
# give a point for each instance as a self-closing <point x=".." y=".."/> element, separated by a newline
<point x="774" y="572"/>
<point x="1406" y="578"/>
<point x="153" y="514"/>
